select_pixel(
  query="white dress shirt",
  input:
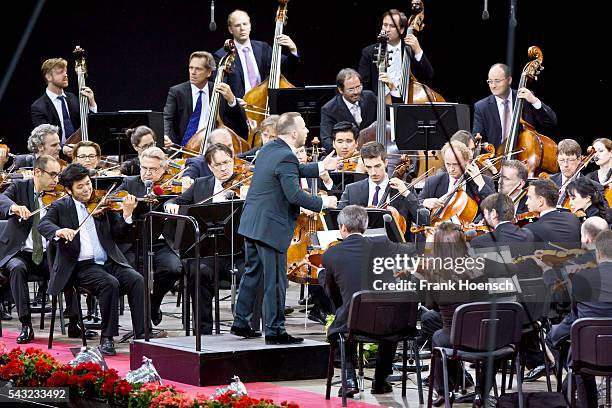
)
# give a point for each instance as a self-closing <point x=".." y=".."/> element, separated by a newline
<point x="372" y="189"/>
<point x="57" y="103"/>
<point x="88" y="235"/>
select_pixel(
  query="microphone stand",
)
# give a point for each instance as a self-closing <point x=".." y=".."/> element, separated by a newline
<point x="233" y="269"/>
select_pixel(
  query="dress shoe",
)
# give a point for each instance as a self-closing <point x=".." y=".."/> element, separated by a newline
<point x="302" y="301"/>
<point x="535" y="373"/>
<point x="317" y="315"/>
<point x="74" y="332"/>
<point x="156" y="316"/>
<point x="351" y="388"/>
<point x="26" y="335"/>
<point x="284" y="338"/>
<point x="107" y="346"/>
<point x="438" y="402"/>
<point x="154" y="334"/>
<point x="288" y="310"/>
<point x="381" y="387"/>
<point x="245" y="332"/>
<point x="5" y="316"/>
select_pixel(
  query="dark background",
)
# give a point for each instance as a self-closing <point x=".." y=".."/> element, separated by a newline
<point x="136" y="50"/>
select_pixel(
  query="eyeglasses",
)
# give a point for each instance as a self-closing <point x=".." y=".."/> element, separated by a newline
<point x="87" y="156"/>
<point x="145" y="147"/>
<point x="567" y="161"/>
<point x="52" y="174"/>
<point x="495" y="81"/>
<point x="151" y="170"/>
<point x="223" y="164"/>
<point x="354" y="89"/>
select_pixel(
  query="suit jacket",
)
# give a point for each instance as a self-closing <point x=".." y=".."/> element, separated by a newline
<point x="594" y="175"/>
<point x="63" y="214"/>
<point x="368" y="70"/>
<point x="336" y="111"/>
<point x="358" y="193"/>
<point x="131" y="167"/>
<point x="43" y="111"/>
<point x="436" y="186"/>
<point x="522" y="206"/>
<point x="179" y="107"/>
<point x="557" y="178"/>
<point x="519" y="240"/>
<point x="22" y="161"/>
<point x="201" y="189"/>
<point x="348" y="269"/>
<point x="275" y="197"/>
<point x="197" y="167"/>
<point x="488" y="123"/>
<point x="263" y="56"/>
<point x="20" y="192"/>
<point x="558" y="227"/>
<point x="592" y="291"/>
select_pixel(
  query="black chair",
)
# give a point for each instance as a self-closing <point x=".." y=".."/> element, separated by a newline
<point x="376" y="316"/>
<point x="590" y="351"/>
<point x="481" y="331"/>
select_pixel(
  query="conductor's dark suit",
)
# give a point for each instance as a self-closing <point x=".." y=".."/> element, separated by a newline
<point x="267" y="223"/>
<point x="106" y="281"/>
<point x="336" y="111"/>
<point x="179" y="107"/>
<point x="43" y="111"/>
<point x="488" y="123"/>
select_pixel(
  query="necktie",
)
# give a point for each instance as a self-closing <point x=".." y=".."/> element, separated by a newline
<point x="37" y="247"/>
<point x="194" y="121"/>
<point x="506" y="119"/>
<point x="356" y="113"/>
<point x="68" y="127"/>
<point x="375" y="198"/>
<point x="251" y="70"/>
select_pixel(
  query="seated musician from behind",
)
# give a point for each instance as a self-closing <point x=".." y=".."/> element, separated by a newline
<point x="88" y="255"/>
<point x="43" y="141"/>
<point x="457" y="158"/>
<point x="168" y="268"/>
<point x="603" y="158"/>
<point x="569" y="154"/>
<point x="267" y="132"/>
<point x="585" y="197"/>
<point x="513" y="182"/>
<point x="141" y="138"/>
<point x="210" y="189"/>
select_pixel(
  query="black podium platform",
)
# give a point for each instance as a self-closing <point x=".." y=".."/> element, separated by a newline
<point x="225" y="355"/>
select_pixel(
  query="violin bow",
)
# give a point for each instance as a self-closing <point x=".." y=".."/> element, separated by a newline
<point x="224" y="190"/>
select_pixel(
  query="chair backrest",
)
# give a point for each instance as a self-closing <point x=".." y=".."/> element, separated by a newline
<point x="591" y="344"/>
<point x="380" y="314"/>
<point x="535" y="298"/>
<point x="482" y="326"/>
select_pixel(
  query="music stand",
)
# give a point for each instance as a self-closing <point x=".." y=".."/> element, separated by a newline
<point x="342" y="178"/>
<point x="376" y="224"/>
<point x="218" y="223"/>
<point x="105" y="182"/>
<point x="308" y="101"/>
<point x="427" y="126"/>
<point x="108" y="129"/>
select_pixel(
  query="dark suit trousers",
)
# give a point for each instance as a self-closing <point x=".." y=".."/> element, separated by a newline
<point x="22" y="270"/>
<point x="263" y="262"/>
<point x="107" y="283"/>
<point x="384" y="360"/>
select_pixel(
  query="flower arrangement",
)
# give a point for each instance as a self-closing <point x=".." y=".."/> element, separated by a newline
<point x="34" y="367"/>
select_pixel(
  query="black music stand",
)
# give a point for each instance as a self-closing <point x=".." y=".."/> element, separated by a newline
<point x="105" y="182"/>
<point x="308" y="101"/>
<point x="218" y="223"/>
<point x="427" y="126"/>
<point x="342" y="178"/>
<point x="108" y="129"/>
<point x="376" y="223"/>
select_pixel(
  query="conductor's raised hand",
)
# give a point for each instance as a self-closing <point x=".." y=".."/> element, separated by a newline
<point x="331" y="162"/>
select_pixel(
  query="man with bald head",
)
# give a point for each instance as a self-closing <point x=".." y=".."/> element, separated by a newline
<point x="197" y="166"/>
<point x="254" y="57"/>
<point x="493" y="114"/>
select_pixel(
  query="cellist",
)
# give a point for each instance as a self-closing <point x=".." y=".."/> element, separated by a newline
<point x="493" y="114"/>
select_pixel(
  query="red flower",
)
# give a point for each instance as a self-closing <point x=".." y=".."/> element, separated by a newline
<point x="58" y="379"/>
<point x="124" y="388"/>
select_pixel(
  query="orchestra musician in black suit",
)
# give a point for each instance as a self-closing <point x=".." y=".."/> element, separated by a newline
<point x="394" y="25"/>
<point x="43" y="141"/>
<point x="254" y="57"/>
<point x="86" y="253"/>
<point x="352" y="104"/>
<point x="603" y="159"/>
<point x="197" y="166"/>
<point x="168" y="267"/>
<point x="569" y="154"/>
<point x="181" y="119"/>
<point x="553" y="225"/>
<point x="208" y="190"/>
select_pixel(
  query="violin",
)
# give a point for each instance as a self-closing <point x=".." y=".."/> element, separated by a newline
<point x="564" y="200"/>
<point x="103" y="200"/>
<point x="552" y="257"/>
<point x="237" y="181"/>
<point x="350" y="163"/>
<point x="525" y="218"/>
<point x="489" y="154"/>
<point x="50" y="196"/>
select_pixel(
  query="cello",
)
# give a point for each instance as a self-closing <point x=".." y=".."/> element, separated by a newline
<point x="81" y="70"/>
<point x="199" y="141"/>
<point x="537" y="151"/>
<point x="257" y="100"/>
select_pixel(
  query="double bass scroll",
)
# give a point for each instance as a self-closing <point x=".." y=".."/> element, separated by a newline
<point x="81" y="70"/>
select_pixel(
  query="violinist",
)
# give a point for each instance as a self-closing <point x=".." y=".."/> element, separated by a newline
<point x="57" y="107"/>
<point x="141" y="139"/>
<point x="352" y="104"/>
<point x="23" y="252"/>
<point x="43" y="141"/>
<point x="493" y="114"/>
<point x="87" y="153"/>
<point x="603" y="159"/>
<point x="254" y="57"/>
<point x="345" y="136"/>
<point x="553" y="225"/>
<point x="394" y="25"/>
<point x="586" y="199"/>
<point x="197" y="166"/>
<point x="220" y="159"/>
<point x="513" y="182"/>
<point x="569" y="154"/>
<point x="168" y="267"/>
<point x="188" y="104"/>
<point x="457" y="158"/>
<point x="88" y="255"/>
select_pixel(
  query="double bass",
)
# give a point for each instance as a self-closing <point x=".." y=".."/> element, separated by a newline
<point x="537" y="151"/>
<point x="81" y="70"/>
<point x="257" y="100"/>
<point x="199" y="141"/>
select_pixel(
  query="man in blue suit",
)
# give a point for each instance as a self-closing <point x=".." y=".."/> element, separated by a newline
<point x="493" y="114"/>
<point x="267" y="223"/>
<point x="254" y="57"/>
